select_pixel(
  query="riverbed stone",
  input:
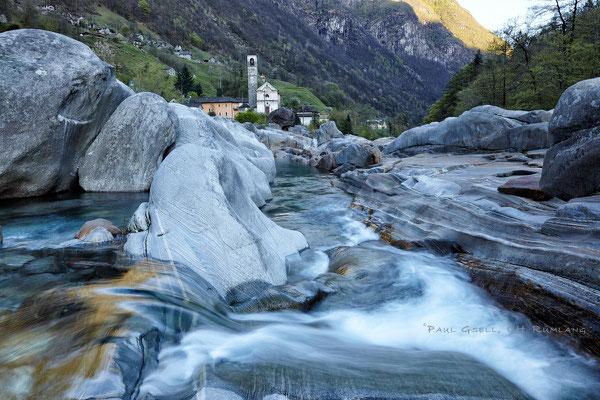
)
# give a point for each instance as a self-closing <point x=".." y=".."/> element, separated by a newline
<point x="300" y="296"/>
<point x="571" y="168"/>
<point x="98" y="235"/>
<point x="131" y="145"/>
<point x="525" y="186"/>
<point x="586" y="208"/>
<point x="89" y="226"/>
<point x="55" y="97"/>
<point x="529" y="137"/>
<point x="327" y="131"/>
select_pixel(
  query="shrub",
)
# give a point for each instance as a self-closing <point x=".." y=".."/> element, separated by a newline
<point x="250" y="116"/>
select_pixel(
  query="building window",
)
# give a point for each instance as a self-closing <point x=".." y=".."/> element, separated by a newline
<point x="266" y="95"/>
<point x="252" y="62"/>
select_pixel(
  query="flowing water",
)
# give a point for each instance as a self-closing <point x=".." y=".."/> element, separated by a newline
<point x="82" y="323"/>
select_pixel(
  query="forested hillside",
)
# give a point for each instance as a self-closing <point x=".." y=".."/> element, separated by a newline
<point x="379" y="58"/>
<point x="533" y="66"/>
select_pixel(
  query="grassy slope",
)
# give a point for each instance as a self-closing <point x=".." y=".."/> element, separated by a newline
<point x="304" y="95"/>
<point x="147" y="72"/>
<point x="456" y="19"/>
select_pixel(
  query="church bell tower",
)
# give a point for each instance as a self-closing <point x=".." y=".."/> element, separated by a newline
<point x="252" y="80"/>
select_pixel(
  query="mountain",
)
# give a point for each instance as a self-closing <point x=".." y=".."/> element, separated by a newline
<point x="385" y="57"/>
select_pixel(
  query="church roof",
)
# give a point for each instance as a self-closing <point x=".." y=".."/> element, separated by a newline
<point x="268" y="85"/>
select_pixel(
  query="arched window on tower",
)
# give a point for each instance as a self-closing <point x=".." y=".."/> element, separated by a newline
<point x="266" y="95"/>
<point x="252" y="62"/>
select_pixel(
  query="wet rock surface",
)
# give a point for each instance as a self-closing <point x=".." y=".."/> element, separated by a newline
<point x="456" y="198"/>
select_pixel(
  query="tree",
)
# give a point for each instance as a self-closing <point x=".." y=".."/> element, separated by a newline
<point x="184" y="81"/>
<point x="144" y="7"/>
<point x="198" y="88"/>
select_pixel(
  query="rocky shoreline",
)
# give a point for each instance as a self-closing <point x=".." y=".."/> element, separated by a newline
<point x="474" y="187"/>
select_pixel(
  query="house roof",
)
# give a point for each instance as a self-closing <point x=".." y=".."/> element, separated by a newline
<point x="197" y="101"/>
<point x="306" y="109"/>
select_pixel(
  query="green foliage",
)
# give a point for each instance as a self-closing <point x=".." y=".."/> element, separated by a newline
<point x="195" y="40"/>
<point x="315" y="123"/>
<point x="529" y="70"/>
<point x="184" y="81"/>
<point x="125" y="30"/>
<point x="446" y="106"/>
<point x="343" y="121"/>
<point x="251" y="116"/>
<point x="144" y="7"/>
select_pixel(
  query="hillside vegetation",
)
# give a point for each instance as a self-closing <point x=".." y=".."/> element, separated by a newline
<point x="369" y="57"/>
<point x="530" y="68"/>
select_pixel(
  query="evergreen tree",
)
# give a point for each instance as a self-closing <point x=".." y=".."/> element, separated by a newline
<point x="185" y="81"/>
<point x="198" y="88"/>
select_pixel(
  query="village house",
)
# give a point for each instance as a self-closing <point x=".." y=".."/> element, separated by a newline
<point x="377" y="124"/>
<point x="170" y="71"/>
<point x="227" y="107"/>
<point x="267" y="99"/>
<point x="185" y="54"/>
<point x="306" y="113"/>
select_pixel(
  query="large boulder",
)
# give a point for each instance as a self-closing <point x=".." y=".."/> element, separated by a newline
<point x="284" y="117"/>
<point x="55" y="97"/>
<point x="328" y="131"/>
<point x="473" y="130"/>
<point x="577" y="109"/>
<point x="572" y="167"/>
<point x="202" y="215"/>
<point x="128" y="150"/>
<point x="529" y="137"/>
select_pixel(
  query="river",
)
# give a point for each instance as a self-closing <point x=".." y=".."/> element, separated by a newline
<point x="402" y="325"/>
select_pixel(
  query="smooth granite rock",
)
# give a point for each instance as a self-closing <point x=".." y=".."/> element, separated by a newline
<point x="327" y="131"/>
<point x="582" y="208"/>
<point x="195" y="126"/>
<point x="55" y="97"/>
<point x="577" y="109"/>
<point x="529" y="137"/>
<point x="572" y="167"/>
<point x="203" y="216"/>
<point x="484" y="128"/>
<point x="473" y="130"/>
<point x="128" y="150"/>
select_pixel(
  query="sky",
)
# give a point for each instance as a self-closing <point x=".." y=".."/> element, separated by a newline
<point x="493" y="13"/>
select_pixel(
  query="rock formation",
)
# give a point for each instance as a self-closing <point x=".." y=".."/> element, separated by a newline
<point x="128" y="150"/>
<point x="203" y="212"/>
<point x="483" y="128"/>
<point x="571" y="166"/>
<point x="55" y="96"/>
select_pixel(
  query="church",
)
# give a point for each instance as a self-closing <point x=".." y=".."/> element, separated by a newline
<point x="264" y="99"/>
